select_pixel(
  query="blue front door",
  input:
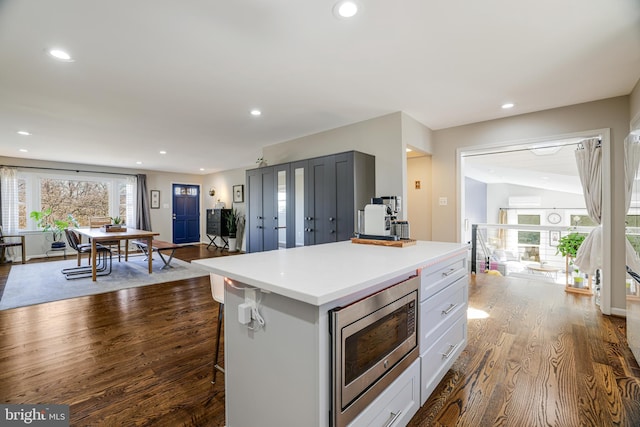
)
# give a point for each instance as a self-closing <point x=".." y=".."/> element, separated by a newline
<point x="186" y="213"/>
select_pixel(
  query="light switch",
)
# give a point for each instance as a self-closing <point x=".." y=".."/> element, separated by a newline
<point x="443" y="201"/>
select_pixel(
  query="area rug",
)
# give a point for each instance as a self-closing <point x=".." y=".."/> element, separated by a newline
<point x="30" y="284"/>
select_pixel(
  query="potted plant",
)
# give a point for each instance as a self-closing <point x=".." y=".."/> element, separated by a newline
<point x="45" y="221"/>
<point x="235" y="221"/>
<point x="568" y="247"/>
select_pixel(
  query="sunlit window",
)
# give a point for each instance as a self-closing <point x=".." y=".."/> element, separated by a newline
<point x="79" y="196"/>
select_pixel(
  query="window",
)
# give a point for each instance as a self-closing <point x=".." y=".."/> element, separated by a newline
<point x="529" y="237"/>
<point x="582" y="221"/>
<point x="82" y="196"/>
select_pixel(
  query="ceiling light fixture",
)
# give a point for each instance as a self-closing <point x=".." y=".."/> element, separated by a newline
<point x="508" y="105"/>
<point x="255" y="112"/>
<point x="345" y="9"/>
<point x="60" y="55"/>
<point x="163" y="152"/>
<point x="409" y="150"/>
<point x="138" y="162"/>
<point x="23" y="150"/>
<point x="24" y="132"/>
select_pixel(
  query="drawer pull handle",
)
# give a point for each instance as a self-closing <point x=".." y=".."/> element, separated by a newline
<point x="449" y="352"/>
<point x="449" y="273"/>
<point x="450" y="309"/>
<point x="394" y="417"/>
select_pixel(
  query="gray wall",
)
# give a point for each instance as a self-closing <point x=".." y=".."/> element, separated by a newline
<point x="475" y="204"/>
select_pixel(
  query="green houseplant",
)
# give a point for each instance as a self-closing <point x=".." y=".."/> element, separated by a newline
<point x="568" y="247"/>
<point x="46" y="222"/>
<point x="235" y="225"/>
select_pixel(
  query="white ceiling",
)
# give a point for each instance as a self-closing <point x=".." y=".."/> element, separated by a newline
<point x="549" y="170"/>
<point x="182" y="75"/>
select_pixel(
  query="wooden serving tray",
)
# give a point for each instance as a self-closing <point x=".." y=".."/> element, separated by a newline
<point x="394" y="243"/>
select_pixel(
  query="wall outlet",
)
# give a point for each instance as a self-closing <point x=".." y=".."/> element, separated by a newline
<point x="443" y="201"/>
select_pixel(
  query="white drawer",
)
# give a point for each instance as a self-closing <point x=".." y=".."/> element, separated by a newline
<point x="437" y="360"/>
<point x="438" y="312"/>
<point x="436" y="277"/>
<point x="399" y="402"/>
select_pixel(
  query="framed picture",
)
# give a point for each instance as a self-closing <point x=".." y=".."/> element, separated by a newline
<point x="238" y="193"/>
<point x="554" y="238"/>
<point x="155" y="199"/>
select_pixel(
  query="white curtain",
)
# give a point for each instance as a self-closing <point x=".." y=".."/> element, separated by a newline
<point x="589" y="161"/>
<point x="9" y="197"/>
<point x="132" y="184"/>
<point x="9" y="186"/>
<point x="631" y="164"/>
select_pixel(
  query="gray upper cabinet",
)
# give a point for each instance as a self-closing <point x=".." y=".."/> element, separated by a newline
<point x="314" y="201"/>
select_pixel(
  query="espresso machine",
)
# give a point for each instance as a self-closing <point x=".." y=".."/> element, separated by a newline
<point x="380" y="218"/>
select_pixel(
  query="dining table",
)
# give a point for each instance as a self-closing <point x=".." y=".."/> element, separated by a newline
<point x="97" y="235"/>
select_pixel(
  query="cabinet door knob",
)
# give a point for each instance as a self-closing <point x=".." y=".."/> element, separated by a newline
<point x="332" y="231"/>
<point x="258" y="226"/>
<point x="259" y="217"/>
<point x="308" y="218"/>
<point x="331" y="218"/>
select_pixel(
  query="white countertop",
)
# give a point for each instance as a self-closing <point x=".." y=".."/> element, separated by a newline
<point x="321" y="274"/>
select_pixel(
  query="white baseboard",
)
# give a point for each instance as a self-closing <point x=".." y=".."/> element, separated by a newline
<point x="618" y="312"/>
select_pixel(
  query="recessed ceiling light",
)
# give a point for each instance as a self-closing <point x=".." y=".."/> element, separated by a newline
<point x="345" y="9"/>
<point x="23" y="150"/>
<point x="508" y="105"/>
<point x="138" y="162"/>
<point x="60" y="55"/>
<point x="201" y="169"/>
<point x="256" y="112"/>
<point x="163" y="152"/>
<point x="409" y="150"/>
<point x="24" y="132"/>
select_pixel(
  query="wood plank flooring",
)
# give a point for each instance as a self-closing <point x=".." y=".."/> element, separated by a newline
<point x="143" y="357"/>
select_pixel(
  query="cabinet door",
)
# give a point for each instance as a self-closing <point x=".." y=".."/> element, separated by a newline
<point x="299" y="225"/>
<point x="262" y="209"/>
<point x="343" y="221"/>
<point x="255" y="219"/>
<point x="322" y="199"/>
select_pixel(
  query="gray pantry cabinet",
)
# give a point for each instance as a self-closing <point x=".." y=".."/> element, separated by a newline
<point x="308" y="202"/>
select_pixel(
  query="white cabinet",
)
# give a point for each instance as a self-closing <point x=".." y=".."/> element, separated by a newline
<point x="396" y="405"/>
<point x="444" y="299"/>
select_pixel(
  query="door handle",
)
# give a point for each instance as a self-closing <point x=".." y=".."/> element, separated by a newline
<point x="394" y="417"/>
<point x="449" y="309"/>
<point x="449" y="352"/>
<point x="449" y="272"/>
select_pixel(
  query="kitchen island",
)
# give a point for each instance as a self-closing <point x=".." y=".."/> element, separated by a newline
<point x="278" y="373"/>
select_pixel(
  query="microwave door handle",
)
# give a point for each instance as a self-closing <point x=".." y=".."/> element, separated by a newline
<point x="394" y="417"/>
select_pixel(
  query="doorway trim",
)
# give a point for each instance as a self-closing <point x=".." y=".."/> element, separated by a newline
<point x="605" y="135"/>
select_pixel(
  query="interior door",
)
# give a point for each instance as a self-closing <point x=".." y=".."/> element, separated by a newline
<point x="186" y="213"/>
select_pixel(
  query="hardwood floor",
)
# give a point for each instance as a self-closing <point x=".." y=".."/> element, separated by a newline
<point x="144" y="357"/>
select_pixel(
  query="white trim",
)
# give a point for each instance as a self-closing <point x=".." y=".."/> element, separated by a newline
<point x="618" y="312"/>
<point x="607" y="221"/>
